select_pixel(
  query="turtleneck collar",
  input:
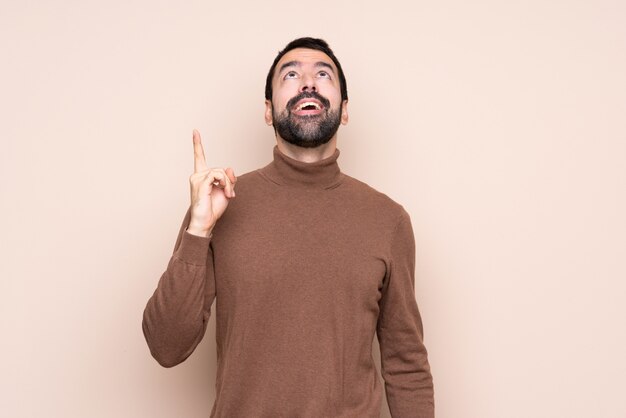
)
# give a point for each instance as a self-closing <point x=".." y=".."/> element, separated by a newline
<point x="323" y="174"/>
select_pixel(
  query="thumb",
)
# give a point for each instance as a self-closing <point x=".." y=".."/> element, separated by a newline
<point x="231" y="175"/>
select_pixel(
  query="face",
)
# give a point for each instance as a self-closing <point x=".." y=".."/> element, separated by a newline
<point x="306" y="108"/>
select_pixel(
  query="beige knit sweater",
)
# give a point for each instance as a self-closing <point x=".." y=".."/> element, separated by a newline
<point x="305" y="265"/>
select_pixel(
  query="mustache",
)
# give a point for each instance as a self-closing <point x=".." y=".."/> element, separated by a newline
<point x="308" y="95"/>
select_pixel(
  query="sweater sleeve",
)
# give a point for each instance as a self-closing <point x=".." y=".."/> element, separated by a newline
<point x="404" y="359"/>
<point x="176" y="315"/>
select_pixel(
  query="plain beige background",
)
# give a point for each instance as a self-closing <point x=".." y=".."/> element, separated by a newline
<point x="500" y="126"/>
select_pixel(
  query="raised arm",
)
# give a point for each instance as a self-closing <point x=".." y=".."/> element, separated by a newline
<point x="176" y="315"/>
<point x="404" y="359"/>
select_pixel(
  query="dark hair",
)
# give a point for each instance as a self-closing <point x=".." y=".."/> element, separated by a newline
<point x="309" y="43"/>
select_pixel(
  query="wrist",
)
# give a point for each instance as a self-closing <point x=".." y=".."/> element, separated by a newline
<point x="199" y="231"/>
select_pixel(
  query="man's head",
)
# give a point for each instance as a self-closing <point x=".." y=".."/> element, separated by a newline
<point x="306" y="96"/>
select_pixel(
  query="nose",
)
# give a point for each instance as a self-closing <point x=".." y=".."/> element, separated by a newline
<point x="308" y="84"/>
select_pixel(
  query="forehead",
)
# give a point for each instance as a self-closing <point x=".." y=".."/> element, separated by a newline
<point x="305" y="56"/>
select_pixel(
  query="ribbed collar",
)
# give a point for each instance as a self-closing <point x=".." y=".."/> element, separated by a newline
<point x="284" y="170"/>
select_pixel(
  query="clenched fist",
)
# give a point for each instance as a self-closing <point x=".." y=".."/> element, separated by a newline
<point x="211" y="190"/>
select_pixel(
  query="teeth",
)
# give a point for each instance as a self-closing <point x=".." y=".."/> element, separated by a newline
<point x="302" y="105"/>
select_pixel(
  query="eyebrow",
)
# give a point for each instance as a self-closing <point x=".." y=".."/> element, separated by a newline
<point x="298" y="63"/>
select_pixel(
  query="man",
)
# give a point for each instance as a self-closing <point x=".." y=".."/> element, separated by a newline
<point x="305" y="263"/>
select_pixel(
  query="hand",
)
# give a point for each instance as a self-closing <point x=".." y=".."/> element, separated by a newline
<point x="211" y="190"/>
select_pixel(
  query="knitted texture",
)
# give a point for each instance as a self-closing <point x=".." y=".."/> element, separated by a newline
<point x="305" y="266"/>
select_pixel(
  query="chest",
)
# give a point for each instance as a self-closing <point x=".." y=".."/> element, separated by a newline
<point x="304" y="250"/>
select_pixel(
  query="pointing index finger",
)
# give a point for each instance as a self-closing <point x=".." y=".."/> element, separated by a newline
<point x="199" y="161"/>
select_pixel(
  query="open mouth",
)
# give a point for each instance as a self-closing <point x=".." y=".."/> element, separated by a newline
<point x="308" y="107"/>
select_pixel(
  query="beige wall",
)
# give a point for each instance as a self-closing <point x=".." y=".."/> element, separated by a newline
<point x="498" y="125"/>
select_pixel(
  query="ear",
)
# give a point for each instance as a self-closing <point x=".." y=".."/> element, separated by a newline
<point x="344" y="112"/>
<point x="268" y="112"/>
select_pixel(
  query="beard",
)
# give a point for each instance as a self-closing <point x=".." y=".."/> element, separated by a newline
<point x="307" y="131"/>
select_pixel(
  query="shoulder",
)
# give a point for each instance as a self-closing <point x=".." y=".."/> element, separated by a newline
<point x="248" y="176"/>
<point x="373" y="199"/>
<point x="249" y="179"/>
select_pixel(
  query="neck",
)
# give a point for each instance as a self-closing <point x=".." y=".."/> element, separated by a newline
<point x="320" y="172"/>
<point x="307" y="155"/>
